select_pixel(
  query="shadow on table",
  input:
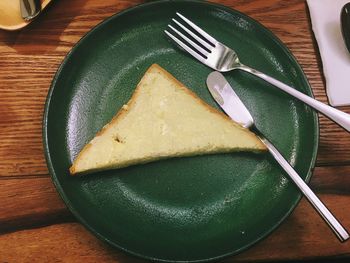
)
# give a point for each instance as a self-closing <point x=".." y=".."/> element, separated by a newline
<point x="44" y="34"/>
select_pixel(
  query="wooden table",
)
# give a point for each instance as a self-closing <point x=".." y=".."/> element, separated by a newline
<point x="34" y="222"/>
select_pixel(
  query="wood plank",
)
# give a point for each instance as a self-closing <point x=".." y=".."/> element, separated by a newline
<point x="302" y="236"/>
<point x="333" y="144"/>
<point x="29" y="59"/>
<point x="331" y="180"/>
<point x="305" y="234"/>
<point x="29" y="202"/>
<point x="61" y="243"/>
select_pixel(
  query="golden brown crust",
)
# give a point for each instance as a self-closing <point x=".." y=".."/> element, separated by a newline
<point x="195" y="96"/>
<point x="120" y="114"/>
<point x="123" y="111"/>
<point x="210" y="108"/>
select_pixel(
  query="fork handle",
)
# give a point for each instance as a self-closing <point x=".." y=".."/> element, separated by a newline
<point x="328" y="217"/>
<point x="339" y="117"/>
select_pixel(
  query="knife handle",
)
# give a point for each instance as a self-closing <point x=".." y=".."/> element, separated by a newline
<point x="339" y="117"/>
<point x="334" y="224"/>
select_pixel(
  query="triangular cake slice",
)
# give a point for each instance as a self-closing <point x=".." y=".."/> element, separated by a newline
<point x="162" y="119"/>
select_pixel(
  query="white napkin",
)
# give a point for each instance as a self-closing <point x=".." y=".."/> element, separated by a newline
<point x="325" y="18"/>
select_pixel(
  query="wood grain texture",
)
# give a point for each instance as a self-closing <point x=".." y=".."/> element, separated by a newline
<point x="30" y="58"/>
<point x="30" y="208"/>
<point x="299" y="235"/>
<point x="29" y="202"/>
<point x="33" y="201"/>
<point x="58" y="243"/>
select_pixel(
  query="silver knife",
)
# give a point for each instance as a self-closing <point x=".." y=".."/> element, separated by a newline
<point x="30" y="9"/>
<point x="228" y="100"/>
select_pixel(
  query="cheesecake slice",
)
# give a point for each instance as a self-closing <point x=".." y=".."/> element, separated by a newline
<point x="162" y="119"/>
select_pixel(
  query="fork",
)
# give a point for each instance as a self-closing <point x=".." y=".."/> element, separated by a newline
<point x="221" y="58"/>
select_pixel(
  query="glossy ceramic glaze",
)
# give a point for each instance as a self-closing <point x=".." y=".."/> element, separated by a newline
<point x="183" y="209"/>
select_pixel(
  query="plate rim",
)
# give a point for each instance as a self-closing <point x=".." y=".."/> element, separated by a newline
<point x="131" y="9"/>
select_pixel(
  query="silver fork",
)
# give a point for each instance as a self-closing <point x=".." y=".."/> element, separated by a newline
<point x="222" y="58"/>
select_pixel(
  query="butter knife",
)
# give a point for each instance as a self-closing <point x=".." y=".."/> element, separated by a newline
<point x="231" y="104"/>
<point x="30" y="9"/>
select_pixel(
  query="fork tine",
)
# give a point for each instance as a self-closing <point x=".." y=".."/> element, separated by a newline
<point x="185" y="47"/>
<point x="200" y="40"/>
<point x="199" y="30"/>
<point x="194" y="45"/>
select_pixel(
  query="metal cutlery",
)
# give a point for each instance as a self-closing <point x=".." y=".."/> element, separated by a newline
<point x="219" y="57"/>
<point x="228" y="100"/>
<point x="30" y="9"/>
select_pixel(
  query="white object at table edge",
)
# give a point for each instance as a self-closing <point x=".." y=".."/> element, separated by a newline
<point x="325" y="19"/>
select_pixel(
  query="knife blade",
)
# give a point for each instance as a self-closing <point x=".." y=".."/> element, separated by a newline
<point x="228" y="100"/>
<point x="225" y="96"/>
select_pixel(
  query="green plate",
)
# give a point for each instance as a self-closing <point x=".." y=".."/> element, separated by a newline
<point x="183" y="209"/>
